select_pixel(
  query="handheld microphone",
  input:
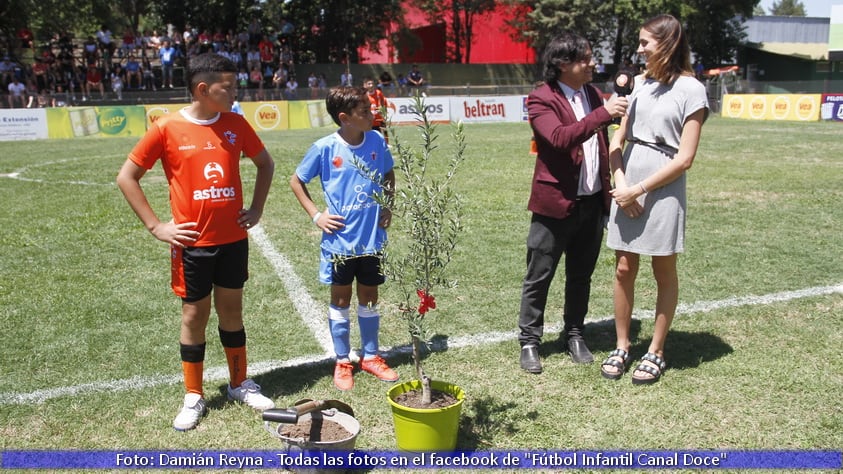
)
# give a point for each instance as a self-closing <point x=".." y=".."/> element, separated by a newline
<point x="624" y="81"/>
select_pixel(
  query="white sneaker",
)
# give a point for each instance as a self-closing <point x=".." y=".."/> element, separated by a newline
<point x="249" y="393"/>
<point x="192" y="410"/>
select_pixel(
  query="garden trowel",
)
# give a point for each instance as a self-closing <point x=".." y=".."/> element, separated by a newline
<point x="291" y="415"/>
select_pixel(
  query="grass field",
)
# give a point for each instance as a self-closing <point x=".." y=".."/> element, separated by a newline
<point x="89" y="343"/>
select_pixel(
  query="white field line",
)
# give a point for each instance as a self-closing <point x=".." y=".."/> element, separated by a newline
<point x="52" y="181"/>
<point x="139" y="382"/>
<point x="313" y="314"/>
<point x="681" y="309"/>
<point x="17" y="174"/>
<point x="221" y="373"/>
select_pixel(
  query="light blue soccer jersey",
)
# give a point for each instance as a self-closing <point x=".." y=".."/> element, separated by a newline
<point x="348" y="190"/>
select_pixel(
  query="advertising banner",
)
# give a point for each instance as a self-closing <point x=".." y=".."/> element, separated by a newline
<point x="260" y="115"/>
<point x="832" y="107"/>
<point x="127" y="121"/>
<point x="793" y="107"/>
<point x="309" y="114"/>
<point x="264" y="116"/>
<point x="488" y="109"/>
<point x="112" y="121"/>
<point x="402" y="110"/>
<point x="156" y="111"/>
<point x="23" y="124"/>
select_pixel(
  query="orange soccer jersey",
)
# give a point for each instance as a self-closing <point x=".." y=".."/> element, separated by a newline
<point x="378" y="100"/>
<point x="201" y="159"/>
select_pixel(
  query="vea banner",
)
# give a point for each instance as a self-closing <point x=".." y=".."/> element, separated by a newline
<point x="793" y="107"/>
<point x="265" y="116"/>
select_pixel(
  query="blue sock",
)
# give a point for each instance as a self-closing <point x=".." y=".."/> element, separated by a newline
<point x="339" y="324"/>
<point x="369" y="321"/>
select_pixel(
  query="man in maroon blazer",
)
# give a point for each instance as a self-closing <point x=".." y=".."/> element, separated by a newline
<point x="570" y="193"/>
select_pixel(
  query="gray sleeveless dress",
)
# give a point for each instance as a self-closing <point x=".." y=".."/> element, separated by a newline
<point x="657" y="113"/>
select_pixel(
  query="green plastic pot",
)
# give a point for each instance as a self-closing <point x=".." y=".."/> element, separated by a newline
<point x="426" y="429"/>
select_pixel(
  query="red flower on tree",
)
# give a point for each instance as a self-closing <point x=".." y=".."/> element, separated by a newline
<point x="426" y="301"/>
<point x="432" y="210"/>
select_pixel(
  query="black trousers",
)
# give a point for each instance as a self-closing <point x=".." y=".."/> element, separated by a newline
<point x="579" y="236"/>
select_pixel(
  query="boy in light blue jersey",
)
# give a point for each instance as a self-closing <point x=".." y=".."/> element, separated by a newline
<point x="353" y="224"/>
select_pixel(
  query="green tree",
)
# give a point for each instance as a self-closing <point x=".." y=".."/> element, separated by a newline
<point x="461" y="14"/>
<point x="332" y="30"/>
<point x="81" y="18"/>
<point x="203" y="14"/>
<point x="788" y="8"/>
<point x="714" y="27"/>
<point x="613" y="24"/>
<point x="627" y="16"/>
<point x="543" y="19"/>
<point x="329" y="29"/>
<point x="48" y="17"/>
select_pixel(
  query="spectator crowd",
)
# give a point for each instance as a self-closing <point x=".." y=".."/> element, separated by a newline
<point x="67" y="70"/>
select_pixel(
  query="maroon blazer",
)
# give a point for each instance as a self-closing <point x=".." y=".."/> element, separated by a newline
<point x="559" y="138"/>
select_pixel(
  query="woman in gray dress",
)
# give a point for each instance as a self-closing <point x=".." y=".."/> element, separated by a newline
<point x="649" y="155"/>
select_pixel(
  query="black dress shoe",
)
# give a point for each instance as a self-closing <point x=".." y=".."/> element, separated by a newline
<point x="530" y="359"/>
<point x="579" y="351"/>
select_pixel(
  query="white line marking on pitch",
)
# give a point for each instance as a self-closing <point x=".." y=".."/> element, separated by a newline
<point x="141" y="382"/>
<point x="221" y="373"/>
<point x="313" y="314"/>
<point x="17" y="174"/>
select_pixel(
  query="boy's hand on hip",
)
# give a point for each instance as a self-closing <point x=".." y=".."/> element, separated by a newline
<point x="248" y="218"/>
<point x="329" y="222"/>
<point x="179" y="235"/>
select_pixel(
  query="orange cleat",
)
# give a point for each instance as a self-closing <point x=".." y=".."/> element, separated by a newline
<point x="343" y="379"/>
<point x="377" y="367"/>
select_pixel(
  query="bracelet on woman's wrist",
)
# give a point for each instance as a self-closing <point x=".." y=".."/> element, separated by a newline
<point x="316" y="217"/>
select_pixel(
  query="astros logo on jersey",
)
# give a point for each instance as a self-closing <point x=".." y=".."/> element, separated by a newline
<point x="213" y="172"/>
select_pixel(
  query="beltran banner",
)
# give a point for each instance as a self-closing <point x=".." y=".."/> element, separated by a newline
<point x="488" y="109"/>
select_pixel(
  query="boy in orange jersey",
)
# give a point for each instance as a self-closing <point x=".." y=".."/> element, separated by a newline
<point x="199" y="147"/>
<point x="379" y="104"/>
